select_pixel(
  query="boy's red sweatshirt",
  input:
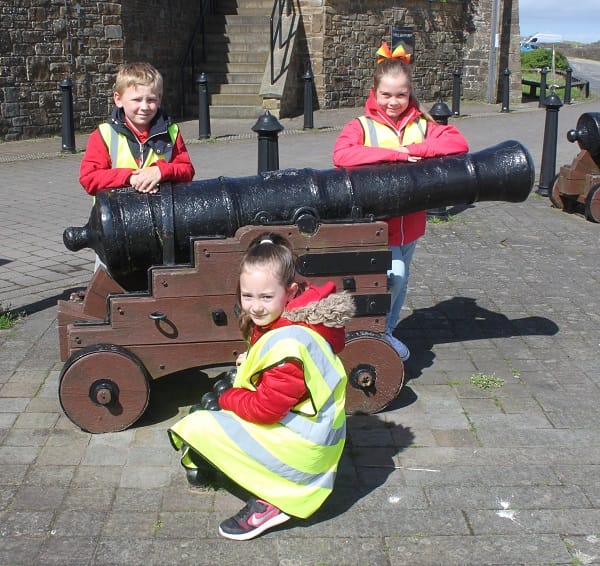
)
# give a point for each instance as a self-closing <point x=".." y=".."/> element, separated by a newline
<point x="96" y="172"/>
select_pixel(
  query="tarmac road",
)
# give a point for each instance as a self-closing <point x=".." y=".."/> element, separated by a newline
<point x="588" y="69"/>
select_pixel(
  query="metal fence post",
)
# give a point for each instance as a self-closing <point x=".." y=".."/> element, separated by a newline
<point x="203" y="108"/>
<point x="440" y="113"/>
<point x="548" y="166"/>
<point x="308" y="100"/>
<point x="67" y="129"/>
<point x="506" y="91"/>
<point x="568" y="81"/>
<point x="268" y="127"/>
<point x="543" y="85"/>
<point x="456" y="92"/>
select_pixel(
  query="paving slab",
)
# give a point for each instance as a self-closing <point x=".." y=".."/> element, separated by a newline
<point x="449" y="473"/>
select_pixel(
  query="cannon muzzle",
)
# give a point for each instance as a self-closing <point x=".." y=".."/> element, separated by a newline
<point x="131" y="231"/>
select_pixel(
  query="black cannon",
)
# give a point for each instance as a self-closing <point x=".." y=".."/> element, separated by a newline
<point x="168" y="298"/>
<point x="579" y="183"/>
<point x="132" y="231"/>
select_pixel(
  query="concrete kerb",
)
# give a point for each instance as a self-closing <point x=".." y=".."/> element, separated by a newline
<point x="239" y="129"/>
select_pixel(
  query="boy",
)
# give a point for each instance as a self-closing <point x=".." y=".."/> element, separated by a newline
<point x="139" y="146"/>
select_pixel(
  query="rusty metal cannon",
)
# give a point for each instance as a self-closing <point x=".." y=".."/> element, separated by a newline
<point x="579" y="183"/>
<point x="168" y="299"/>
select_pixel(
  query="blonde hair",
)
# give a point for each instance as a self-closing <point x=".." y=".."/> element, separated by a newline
<point x="138" y="74"/>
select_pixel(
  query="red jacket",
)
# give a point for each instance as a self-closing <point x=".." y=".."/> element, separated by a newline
<point x="349" y="151"/>
<point x="96" y="172"/>
<point x="282" y="387"/>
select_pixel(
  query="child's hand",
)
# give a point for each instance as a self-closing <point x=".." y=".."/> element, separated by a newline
<point x="240" y="359"/>
<point x="146" y="180"/>
<point x="410" y="158"/>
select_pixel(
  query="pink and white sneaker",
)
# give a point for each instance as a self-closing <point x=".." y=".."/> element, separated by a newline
<point x="255" y="518"/>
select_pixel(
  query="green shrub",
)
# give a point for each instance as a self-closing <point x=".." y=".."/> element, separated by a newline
<point x="539" y="58"/>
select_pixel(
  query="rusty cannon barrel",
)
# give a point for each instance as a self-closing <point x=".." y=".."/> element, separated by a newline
<point x="587" y="135"/>
<point x="131" y="231"/>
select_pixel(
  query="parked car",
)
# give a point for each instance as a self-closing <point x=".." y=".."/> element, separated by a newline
<point x="528" y="46"/>
<point x="532" y="41"/>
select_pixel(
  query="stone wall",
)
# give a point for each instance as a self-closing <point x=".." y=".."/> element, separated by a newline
<point x="42" y="44"/>
<point x="343" y="36"/>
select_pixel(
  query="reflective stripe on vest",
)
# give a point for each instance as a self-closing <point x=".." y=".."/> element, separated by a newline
<point x="291" y="464"/>
<point x="120" y="154"/>
<point x="380" y="135"/>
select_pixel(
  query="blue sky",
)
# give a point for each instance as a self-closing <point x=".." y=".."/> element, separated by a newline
<point x="575" y="20"/>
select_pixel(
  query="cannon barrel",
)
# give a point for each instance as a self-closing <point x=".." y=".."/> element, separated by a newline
<point x="131" y="231"/>
<point x="587" y="135"/>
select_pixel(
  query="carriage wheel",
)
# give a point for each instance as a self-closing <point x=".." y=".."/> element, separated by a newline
<point x="104" y="388"/>
<point x="592" y="204"/>
<point x="555" y="197"/>
<point x="375" y="372"/>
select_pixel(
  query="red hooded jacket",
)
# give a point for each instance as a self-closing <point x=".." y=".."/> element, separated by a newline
<point x="282" y="387"/>
<point x="97" y="174"/>
<point x="349" y="151"/>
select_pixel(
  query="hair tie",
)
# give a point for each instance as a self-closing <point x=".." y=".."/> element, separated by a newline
<point x="266" y="241"/>
<point x="384" y="53"/>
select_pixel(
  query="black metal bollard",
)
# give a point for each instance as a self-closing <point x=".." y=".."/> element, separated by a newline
<point x="506" y="91"/>
<point x="267" y="127"/>
<point x="308" y="100"/>
<point x="543" y="85"/>
<point x="67" y="129"/>
<point x="440" y="113"/>
<point x="203" y="108"/>
<point x="548" y="166"/>
<point x="456" y="92"/>
<point x="568" y="82"/>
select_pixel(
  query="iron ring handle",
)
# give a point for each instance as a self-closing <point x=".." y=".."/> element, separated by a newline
<point x="157" y="315"/>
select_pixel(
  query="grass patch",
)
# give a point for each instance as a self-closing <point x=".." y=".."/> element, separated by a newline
<point x="439" y="220"/>
<point x="8" y="318"/>
<point x="557" y="81"/>
<point x="484" y="381"/>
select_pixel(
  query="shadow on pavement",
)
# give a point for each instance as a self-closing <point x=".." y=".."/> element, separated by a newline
<point x="460" y="319"/>
<point x="170" y="393"/>
<point x="43" y="304"/>
<point x="368" y="460"/>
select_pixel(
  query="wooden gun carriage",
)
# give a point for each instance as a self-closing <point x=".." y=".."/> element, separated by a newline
<point x="168" y="300"/>
<point x="579" y="183"/>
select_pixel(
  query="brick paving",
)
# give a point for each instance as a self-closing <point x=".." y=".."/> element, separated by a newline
<point x="449" y="473"/>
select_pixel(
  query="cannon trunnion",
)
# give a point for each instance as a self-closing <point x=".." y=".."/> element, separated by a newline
<point x="170" y="302"/>
<point x="579" y="183"/>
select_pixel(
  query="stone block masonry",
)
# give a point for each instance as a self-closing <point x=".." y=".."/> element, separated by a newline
<point x="43" y="42"/>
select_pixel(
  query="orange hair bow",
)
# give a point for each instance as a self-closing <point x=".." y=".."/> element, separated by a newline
<point x="384" y="52"/>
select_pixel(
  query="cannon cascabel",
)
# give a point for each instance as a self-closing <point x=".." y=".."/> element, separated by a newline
<point x="132" y="231"/>
<point x="587" y="135"/>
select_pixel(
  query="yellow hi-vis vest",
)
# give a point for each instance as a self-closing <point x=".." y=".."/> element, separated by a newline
<point x="380" y="135"/>
<point x="120" y="154"/>
<point x="291" y="464"/>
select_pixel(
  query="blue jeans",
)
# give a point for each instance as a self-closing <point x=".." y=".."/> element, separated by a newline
<point x="398" y="282"/>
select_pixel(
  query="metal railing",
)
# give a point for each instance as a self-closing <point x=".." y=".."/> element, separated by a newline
<point x="277" y="34"/>
<point x="189" y="57"/>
